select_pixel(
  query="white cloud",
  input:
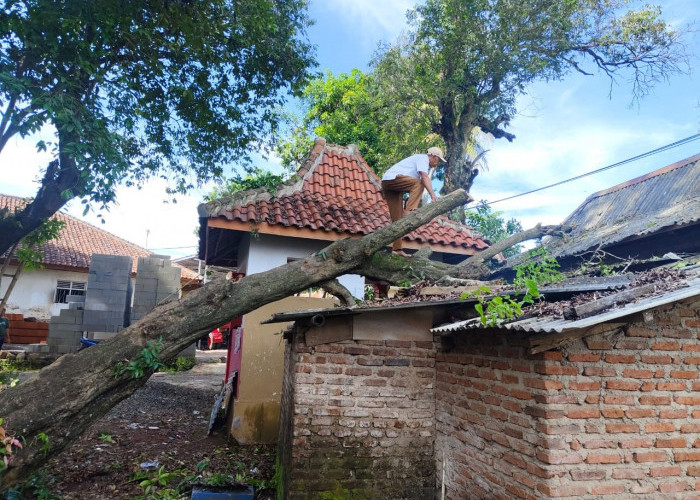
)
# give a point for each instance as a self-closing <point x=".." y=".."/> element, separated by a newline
<point x="373" y="20"/>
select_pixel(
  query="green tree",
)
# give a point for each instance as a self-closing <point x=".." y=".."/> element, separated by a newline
<point x="349" y="109"/>
<point x="465" y="62"/>
<point x="255" y="179"/>
<point x="492" y="226"/>
<point x="171" y="88"/>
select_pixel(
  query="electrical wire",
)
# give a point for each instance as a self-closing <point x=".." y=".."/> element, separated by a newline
<point x="661" y="149"/>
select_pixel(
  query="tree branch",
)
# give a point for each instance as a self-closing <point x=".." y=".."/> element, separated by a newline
<point x="336" y="288"/>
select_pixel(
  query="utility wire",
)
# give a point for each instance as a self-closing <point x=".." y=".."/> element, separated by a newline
<point x="681" y="142"/>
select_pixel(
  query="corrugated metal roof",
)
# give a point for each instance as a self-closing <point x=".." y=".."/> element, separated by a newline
<point x="550" y="324"/>
<point x="662" y="199"/>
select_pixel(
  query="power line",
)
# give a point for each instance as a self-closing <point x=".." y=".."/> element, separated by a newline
<point x="681" y="142"/>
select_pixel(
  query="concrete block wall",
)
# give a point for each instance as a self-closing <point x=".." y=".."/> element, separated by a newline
<point x="66" y="329"/>
<point x="616" y="415"/>
<point x="359" y="420"/>
<point x="156" y="281"/>
<point x="108" y="297"/>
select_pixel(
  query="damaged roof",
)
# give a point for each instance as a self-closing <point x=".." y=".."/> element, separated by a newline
<point x="658" y="202"/>
<point x="334" y="194"/>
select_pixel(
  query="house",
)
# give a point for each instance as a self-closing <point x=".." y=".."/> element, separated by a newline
<point x="333" y="195"/>
<point x="420" y="400"/>
<point x="43" y="293"/>
<point x="642" y="218"/>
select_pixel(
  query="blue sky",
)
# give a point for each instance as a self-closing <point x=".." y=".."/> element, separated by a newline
<point x="563" y="129"/>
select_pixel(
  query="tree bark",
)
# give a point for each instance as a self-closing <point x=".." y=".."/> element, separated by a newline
<point x="51" y="197"/>
<point x="67" y="396"/>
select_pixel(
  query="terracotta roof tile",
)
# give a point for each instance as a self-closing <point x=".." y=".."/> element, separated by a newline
<point x="78" y="240"/>
<point x="335" y="191"/>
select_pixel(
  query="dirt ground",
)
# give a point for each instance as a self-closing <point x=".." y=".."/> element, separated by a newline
<point x="159" y="433"/>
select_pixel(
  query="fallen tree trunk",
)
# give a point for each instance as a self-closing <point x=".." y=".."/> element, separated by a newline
<point x="67" y="396"/>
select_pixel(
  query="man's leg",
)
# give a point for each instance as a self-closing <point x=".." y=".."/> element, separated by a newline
<point x="414" y="195"/>
<point x="393" y="194"/>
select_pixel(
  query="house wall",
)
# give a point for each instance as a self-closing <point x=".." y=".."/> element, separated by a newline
<point x="358" y="419"/>
<point x="35" y="290"/>
<point x="256" y="411"/>
<point x="616" y="415"/>
<point x="268" y="251"/>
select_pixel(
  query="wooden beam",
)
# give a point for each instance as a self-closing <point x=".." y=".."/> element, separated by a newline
<point x="314" y="234"/>
<point x="604" y="303"/>
<point x="547" y="341"/>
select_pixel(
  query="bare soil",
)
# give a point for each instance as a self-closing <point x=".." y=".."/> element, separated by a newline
<point x="161" y="427"/>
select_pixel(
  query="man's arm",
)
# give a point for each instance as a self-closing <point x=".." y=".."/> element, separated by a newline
<point x="425" y="179"/>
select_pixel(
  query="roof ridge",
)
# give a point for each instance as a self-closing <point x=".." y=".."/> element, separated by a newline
<point x="650" y="175"/>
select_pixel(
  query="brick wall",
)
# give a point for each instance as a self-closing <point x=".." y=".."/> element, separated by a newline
<point x="616" y="415"/>
<point x="361" y="421"/>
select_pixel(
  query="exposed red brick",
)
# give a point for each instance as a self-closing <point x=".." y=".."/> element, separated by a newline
<point x="674" y="470"/>
<point x="655" y="400"/>
<point x="685" y="374"/>
<point x="583" y="357"/>
<point x="672" y="386"/>
<point x="632" y="373"/>
<point x="628" y="474"/>
<point x="660" y="427"/>
<point x="584" y="386"/>
<point x="674" y="487"/>
<point x="671" y="443"/>
<point x="636" y="443"/>
<point x="686" y="456"/>
<point x="665" y="346"/>
<point x="607" y="489"/>
<point x="537" y="383"/>
<point x="619" y="427"/>
<point x="630" y="344"/>
<point x="603" y="458"/>
<point x="619" y="400"/>
<point x="690" y="428"/>
<point x="556" y="370"/>
<point x="687" y="400"/>
<point x="655" y="359"/>
<point x="613" y="412"/>
<point x="650" y="456"/>
<point x="640" y="412"/>
<point x="670" y="414"/>
<point x="639" y="331"/>
<point x="599" y="371"/>
<point x="584" y="413"/>
<point x="622" y="385"/>
<point x="620" y="358"/>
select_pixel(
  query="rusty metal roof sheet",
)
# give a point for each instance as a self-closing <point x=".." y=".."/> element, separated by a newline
<point x="665" y="198"/>
<point x="551" y="325"/>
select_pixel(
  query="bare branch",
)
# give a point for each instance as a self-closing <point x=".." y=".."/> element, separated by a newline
<point x="336" y="288"/>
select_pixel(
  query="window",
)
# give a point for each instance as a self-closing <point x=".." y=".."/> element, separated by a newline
<point x="66" y="288"/>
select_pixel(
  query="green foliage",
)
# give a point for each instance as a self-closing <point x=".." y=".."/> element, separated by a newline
<point x="146" y="362"/>
<point x="45" y="443"/>
<point x="180" y="364"/>
<point x="131" y="90"/>
<point x="106" y="438"/>
<point x="492" y="226"/>
<point x="255" y="179"/>
<point x="464" y="64"/>
<point x="370" y="294"/>
<point x="29" y="254"/>
<point x="500" y="308"/>
<point x="37" y="488"/>
<point x="539" y="267"/>
<point x="155" y="481"/>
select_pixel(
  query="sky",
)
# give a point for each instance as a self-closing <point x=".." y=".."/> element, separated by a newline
<point x="563" y="129"/>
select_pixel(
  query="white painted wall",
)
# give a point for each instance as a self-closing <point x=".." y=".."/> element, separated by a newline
<point x="268" y="251"/>
<point x="35" y="290"/>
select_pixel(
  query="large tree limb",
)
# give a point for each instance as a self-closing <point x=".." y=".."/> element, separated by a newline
<point x="67" y="396"/>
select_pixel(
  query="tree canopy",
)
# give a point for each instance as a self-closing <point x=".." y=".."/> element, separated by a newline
<point x="464" y="63"/>
<point x="177" y="89"/>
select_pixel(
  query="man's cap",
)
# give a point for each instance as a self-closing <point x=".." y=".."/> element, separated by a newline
<point x="436" y="151"/>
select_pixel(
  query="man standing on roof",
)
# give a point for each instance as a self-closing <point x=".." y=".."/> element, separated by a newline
<point x="410" y="175"/>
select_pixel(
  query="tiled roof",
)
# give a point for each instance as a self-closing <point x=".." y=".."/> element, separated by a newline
<point x="660" y="200"/>
<point x="78" y="240"/>
<point x="334" y="191"/>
